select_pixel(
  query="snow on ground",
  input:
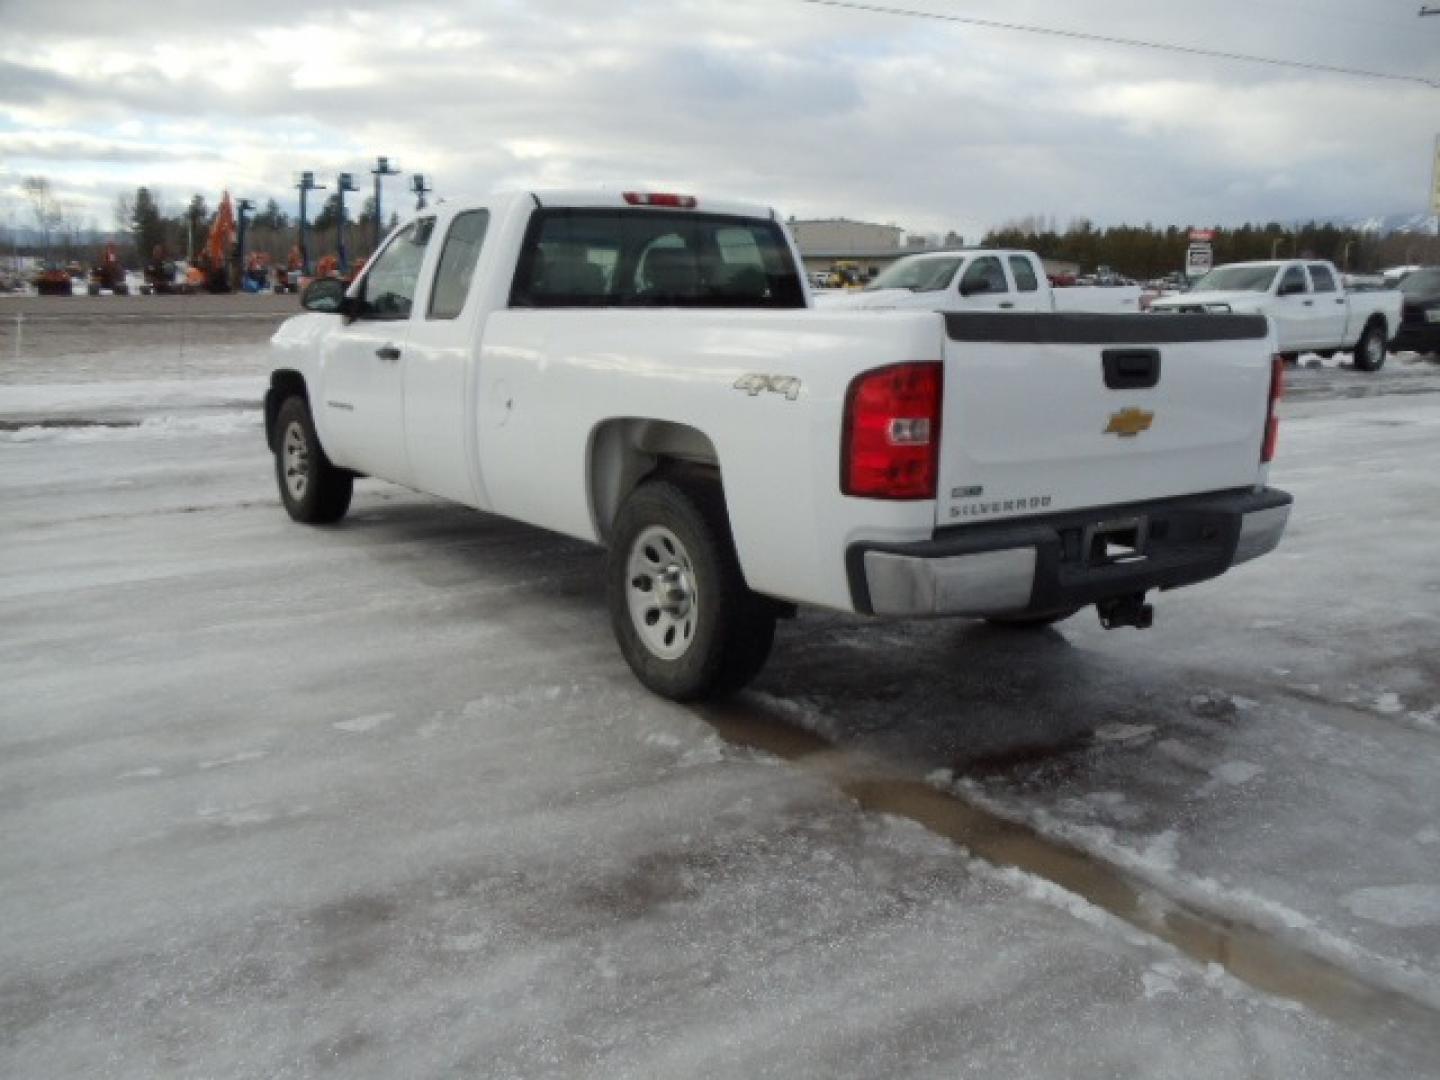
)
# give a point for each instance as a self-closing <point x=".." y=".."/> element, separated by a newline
<point x="382" y="799"/>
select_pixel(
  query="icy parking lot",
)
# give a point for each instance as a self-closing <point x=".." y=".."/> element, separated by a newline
<point x="382" y="800"/>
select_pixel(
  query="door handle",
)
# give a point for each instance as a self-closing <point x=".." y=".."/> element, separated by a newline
<point x="1309" y="303"/>
<point x="1339" y="301"/>
<point x="1006" y="304"/>
<point x="388" y="352"/>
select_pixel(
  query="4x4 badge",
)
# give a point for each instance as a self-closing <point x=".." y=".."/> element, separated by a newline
<point x="1127" y="423"/>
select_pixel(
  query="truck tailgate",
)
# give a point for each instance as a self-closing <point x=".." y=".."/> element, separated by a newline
<point x="1046" y="412"/>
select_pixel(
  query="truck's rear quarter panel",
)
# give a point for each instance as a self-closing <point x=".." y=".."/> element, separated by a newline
<point x="550" y="379"/>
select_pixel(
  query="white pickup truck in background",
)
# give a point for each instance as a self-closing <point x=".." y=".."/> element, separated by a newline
<point x="1310" y="308"/>
<point x="643" y="371"/>
<point x="980" y="280"/>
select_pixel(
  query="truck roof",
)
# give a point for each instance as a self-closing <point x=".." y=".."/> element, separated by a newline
<point x="618" y="198"/>
<point x="622" y="198"/>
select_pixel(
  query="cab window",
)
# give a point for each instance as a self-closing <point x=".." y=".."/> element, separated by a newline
<point x="1293" y="282"/>
<point x="456" y="268"/>
<point x="388" y="290"/>
<point x="1323" y="280"/>
<point x="984" y="275"/>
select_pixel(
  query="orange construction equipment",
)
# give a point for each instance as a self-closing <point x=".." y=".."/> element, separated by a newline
<point x="215" y="259"/>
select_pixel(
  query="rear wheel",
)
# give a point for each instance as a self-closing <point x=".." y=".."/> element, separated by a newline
<point x="1370" y="349"/>
<point x="313" y="490"/>
<point x="687" y="624"/>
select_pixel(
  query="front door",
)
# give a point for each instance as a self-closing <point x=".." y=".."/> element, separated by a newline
<point x="363" y="363"/>
<point x="443" y="345"/>
<point x="983" y="286"/>
<point x="1294" y="311"/>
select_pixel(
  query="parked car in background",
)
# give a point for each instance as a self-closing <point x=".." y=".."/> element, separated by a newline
<point x="1420" y="317"/>
<point x="1393" y="275"/>
<point x="1311" y="310"/>
<point x="982" y="279"/>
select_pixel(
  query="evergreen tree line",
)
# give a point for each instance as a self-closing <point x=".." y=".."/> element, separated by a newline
<point x="143" y="225"/>
<point x="1145" y="252"/>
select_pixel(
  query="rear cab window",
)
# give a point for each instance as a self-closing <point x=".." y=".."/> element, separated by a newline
<point x="1025" y="280"/>
<point x="600" y="257"/>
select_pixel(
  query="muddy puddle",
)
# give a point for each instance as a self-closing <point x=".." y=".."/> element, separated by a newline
<point x="1253" y="955"/>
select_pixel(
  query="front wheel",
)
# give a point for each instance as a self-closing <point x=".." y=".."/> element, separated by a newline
<point x="686" y="622"/>
<point x="1370" y="349"/>
<point x="313" y="490"/>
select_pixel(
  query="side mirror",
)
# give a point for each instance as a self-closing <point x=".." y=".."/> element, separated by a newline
<point x="325" y="295"/>
<point x="1291" y="288"/>
<point x="974" y="288"/>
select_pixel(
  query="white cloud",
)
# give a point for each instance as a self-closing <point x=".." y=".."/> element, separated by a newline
<point x="818" y="110"/>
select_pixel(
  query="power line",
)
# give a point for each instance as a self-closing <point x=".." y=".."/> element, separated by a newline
<point x="1106" y="39"/>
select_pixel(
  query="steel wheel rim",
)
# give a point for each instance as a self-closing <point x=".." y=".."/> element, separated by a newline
<point x="296" y="459"/>
<point x="660" y="592"/>
<point x="1372" y="347"/>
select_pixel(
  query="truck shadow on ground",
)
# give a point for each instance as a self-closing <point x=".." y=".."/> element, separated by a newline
<point x="955" y="694"/>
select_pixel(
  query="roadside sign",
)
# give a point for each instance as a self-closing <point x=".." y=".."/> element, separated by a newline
<point x="1201" y="236"/>
<point x="1435" y="179"/>
<point x="1198" y="260"/>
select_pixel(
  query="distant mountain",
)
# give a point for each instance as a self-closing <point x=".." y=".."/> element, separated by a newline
<point x="1385" y="224"/>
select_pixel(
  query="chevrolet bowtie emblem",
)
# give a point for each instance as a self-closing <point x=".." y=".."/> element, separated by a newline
<point x="1127" y="423"/>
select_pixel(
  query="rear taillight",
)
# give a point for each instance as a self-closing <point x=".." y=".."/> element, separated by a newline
<point x="891" y="442"/>
<point x="1272" y="422"/>
<point x="650" y="198"/>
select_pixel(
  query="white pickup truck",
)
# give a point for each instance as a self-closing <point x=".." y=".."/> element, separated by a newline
<point x="643" y="371"/>
<point x="983" y="279"/>
<point x="1310" y="308"/>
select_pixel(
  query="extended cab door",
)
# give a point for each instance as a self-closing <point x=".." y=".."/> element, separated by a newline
<point x="1330" y="308"/>
<point x="984" y="287"/>
<point x="1026" y="274"/>
<point x="1294" y="310"/>
<point x="444" y="337"/>
<point x="363" y="362"/>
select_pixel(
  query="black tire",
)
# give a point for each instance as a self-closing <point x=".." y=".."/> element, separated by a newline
<point x="1290" y="357"/>
<point x="313" y="490"/>
<point x="723" y="636"/>
<point x="1325" y="354"/>
<point x="1370" y="349"/>
<point x="1031" y="622"/>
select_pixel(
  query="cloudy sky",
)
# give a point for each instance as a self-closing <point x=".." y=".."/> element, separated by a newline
<point x="821" y="111"/>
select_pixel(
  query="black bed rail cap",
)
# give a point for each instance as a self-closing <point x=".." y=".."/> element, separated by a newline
<point x="1085" y="328"/>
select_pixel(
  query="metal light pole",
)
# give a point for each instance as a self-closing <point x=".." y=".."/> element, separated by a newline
<point x="242" y="207"/>
<point x="305" y="185"/>
<point x="343" y="182"/>
<point x="420" y="190"/>
<point x="382" y="168"/>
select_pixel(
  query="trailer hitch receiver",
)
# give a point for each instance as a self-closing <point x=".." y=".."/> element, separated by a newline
<point x="1126" y="611"/>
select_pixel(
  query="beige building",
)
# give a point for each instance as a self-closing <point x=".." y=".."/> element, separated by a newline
<point x="867" y="247"/>
<point x="840" y="236"/>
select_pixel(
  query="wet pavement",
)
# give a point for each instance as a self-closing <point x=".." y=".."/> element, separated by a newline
<point x="383" y="799"/>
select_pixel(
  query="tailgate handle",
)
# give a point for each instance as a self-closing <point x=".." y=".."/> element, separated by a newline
<point x="1131" y="369"/>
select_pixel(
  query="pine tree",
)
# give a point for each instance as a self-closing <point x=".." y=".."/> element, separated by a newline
<point x="145" y="223"/>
